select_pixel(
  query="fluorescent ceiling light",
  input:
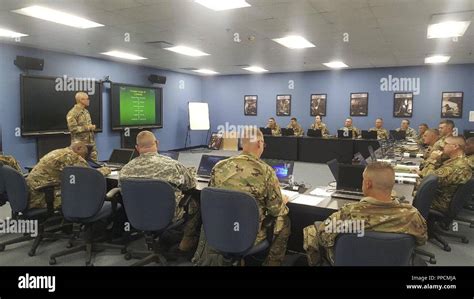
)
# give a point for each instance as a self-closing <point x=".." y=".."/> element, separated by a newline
<point x="294" y="42"/>
<point x="437" y="59"/>
<point x="206" y="71"/>
<point x="11" y="34"/>
<point x="255" y="69"/>
<point x="336" y="64"/>
<point x="123" y="55"/>
<point x="447" y="29"/>
<point x="218" y="5"/>
<point x="187" y="51"/>
<point x="57" y="16"/>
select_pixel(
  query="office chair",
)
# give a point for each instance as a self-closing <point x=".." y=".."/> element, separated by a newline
<point x="16" y="191"/>
<point x="231" y="223"/>
<point x="83" y="192"/>
<point x="422" y="202"/>
<point x="438" y="219"/>
<point x="374" y="249"/>
<point x="150" y="206"/>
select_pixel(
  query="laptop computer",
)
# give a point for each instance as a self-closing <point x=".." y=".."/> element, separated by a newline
<point x="119" y="158"/>
<point x="349" y="182"/>
<point x="283" y="169"/>
<point x="359" y="158"/>
<point x="314" y="133"/>
<point x="171" y="154"/>
<point x="397" y="135"/>
<point x="344" y="133"/>
<point x="369" y="134"/>
<point x="334" y="167"/>
<point x="287" y="132"/>
<point x="266" y="131"/>
<point x="205" y="167"/>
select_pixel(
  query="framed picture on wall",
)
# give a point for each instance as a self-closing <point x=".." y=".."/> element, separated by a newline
<point x="360" y="104"/>
<point x="250" y="105"/>
<point x="451" y="104"/>
<point x="403" y="104"/>
<point x="318" y="104"/>
<point x="283" y="105"/>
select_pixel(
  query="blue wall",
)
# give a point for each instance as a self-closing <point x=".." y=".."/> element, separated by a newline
<point x="225" y="95"/>
<point x="56" y="64"/>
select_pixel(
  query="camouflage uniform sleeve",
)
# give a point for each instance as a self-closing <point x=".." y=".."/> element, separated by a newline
<point x="186" y="179"/>
<point x="276" y="131"/>
<point x="325" y="131"/>
<point x="12" y="162"/>
<point x="73" y="126"/>
<point x="443" y="173"/>
<point x="419" y="229"/>
<point x="274" y="200"/>
<point x="325" y="237"/>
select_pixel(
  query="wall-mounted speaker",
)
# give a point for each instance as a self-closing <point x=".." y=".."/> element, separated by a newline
<point x="157" y="79"/>
<point x="29" y="63"/>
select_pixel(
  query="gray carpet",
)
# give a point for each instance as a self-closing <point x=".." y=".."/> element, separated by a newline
<point x="310" y="174"/>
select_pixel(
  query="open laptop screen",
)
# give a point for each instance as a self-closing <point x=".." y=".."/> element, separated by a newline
<point x="283" y="169"/>
<point x="350" y="177"/>
<point x="121" y="156"/>
<point x="207" y="163"/>
<point x="334" y="167"/>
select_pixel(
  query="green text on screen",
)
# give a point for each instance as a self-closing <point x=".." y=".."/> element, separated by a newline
<point x="137" y="106"/>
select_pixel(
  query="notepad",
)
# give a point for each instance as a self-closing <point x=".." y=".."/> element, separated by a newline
<point x="291" y="194"/>
<point x="308" y="200"/>
<point x="320" y="191"/>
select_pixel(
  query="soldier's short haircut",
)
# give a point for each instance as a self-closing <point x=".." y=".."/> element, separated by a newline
<point x="433" y="131"/>
<point x="348" y="118"/>
<point x="293" y="118"/>
<point x="250" y="135"/>
<point x="407" y="120"/>
<point x="448" y="122"/>
<point x="80" y="95"/>
<point x="145" y="139"/>
<point x="379" y="118"/>
<point x="424" y="125"/>
<point x="459" y="140"/>
<point x="470" y="141"/>
<point x="382" y="175"/>
<point x="271" y="118"/>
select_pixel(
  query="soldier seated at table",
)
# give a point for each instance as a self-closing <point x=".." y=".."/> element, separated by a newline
<point x="298" y="131"/>
<point x="276" y="131"/>
<point x="377" y="211"/>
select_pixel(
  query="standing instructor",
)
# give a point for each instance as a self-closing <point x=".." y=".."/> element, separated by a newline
<point x="80" y="125"/>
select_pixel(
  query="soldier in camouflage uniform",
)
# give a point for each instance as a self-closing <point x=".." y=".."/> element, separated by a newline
<point x="348" y="126"/>
<point x="470" y="152"/>
<point x="151" y="165"/>
<point x="377" y="211"/>
<point x="247" y="173"/>
<point x="276" y="131"/>
<point x="48" y="171"/>
<point x="429" y="139"/>
<point x="409" y="131"/>
<point x="451" y="174"/>
<point x="298" y="131"/>
<point x="80" y="125"/>
<point x="382" y="133"/>
<point x="10" y="161"/>
<point x="422" y="128"/>
<point x="319" y="125"/>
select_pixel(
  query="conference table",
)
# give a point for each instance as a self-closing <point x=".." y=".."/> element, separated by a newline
<point x="316" y="149"/>
<point x="303" y="214"/>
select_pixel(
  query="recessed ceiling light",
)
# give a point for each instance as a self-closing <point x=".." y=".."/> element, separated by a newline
<point x="437" y="59"/>
<point x="11" y="34"/>
<point x="124" y="55"/>
<point x="206" y="71"/>
<point x="447" y="29"/>
<point x="219" y="5"/>
<point x="294" y="42"/>
<point x="255" y="69"/>
<point x="57" y="16"/>
<point x="187" y="51"/>
<point x="336" y="64"/>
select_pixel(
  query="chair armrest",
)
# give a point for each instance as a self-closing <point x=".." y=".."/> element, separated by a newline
<point x="112" y="193"/>
<point x="48" y="191"/>
<point x="269" y="224"/>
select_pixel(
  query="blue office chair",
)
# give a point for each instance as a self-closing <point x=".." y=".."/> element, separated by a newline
<point x="16" y="191"/>
<point x="439" y="223"/>
<point x="83" y="193"/>
<point x="422" y="201"/>
<point x="231" y="223"/>
<point x="374" y="249"/>
<point x="150" y="207"/>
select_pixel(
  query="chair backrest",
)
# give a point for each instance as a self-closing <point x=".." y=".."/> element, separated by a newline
<point x="462" y="195"/>
<point x="425" y="195"/>
<point x="2" y="184"/>
<point x="149" y="203"/>
<point x="15" y="187"/>
<point x="82" y="192"/>
<point x="374" y="249"/>
<point x="230" y="220"/>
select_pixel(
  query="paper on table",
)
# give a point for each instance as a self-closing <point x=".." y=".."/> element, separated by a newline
<point x="291" y="194"/>
<point x="408" y="175"/>
<point x="114" y="173"/>
<point x="308" y="200"/>
<point x="320" y="191"/>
